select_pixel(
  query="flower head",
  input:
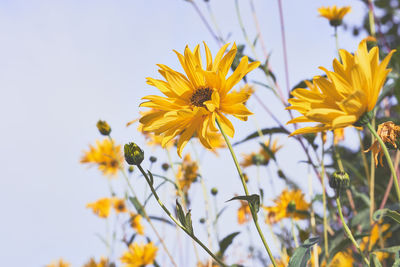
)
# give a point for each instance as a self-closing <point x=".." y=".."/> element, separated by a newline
<point x="187" y="173"/>
<point x="106" y="155"/>
<point x="262" y="157"/>
<point x="244" y="213"/>
<point x="101" y="207"/>
<point x="346" y="96"/>
<point x="139" y="255"/>
<point x="390" y="135"/>
<point x="290" y="204"/>
<point x="194" y="101"/>
<point x="59" y="263"/>
<point x="283" y="262"/>
<point x="334" y="14"/>
<point x="92" y="263"/>
<point x="135" y="222"/>
<point x="119" y="205"/>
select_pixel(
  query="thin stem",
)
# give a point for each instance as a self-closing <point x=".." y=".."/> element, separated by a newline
<point x="337" y="41"/>
<point x="285" y="58"/>
<point x="348" y="231"/>
<point x="371" y="18"/>
<point x="253" y="212"/>
<point x="296" y="242"/>
<point x="325" y="219"/>
<point x="246" y="37"/>
<point x="176" y="221"/>
<point x="364" y="158"/>
<point x="387" y="155"/>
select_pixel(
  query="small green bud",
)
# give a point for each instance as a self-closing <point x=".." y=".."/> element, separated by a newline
<point x="281" y="174"/>
<point x="214" y="191"/>
<point x="165" y="166"/>
<point x="130" y="169"/>
<point x="152" y="159"/>
<point x="339" y="181"/>
<point x="103" y="127"/>
<point x="202" y="220"/>
<point x="291" y="207"/>
<point x="134" y="155"/>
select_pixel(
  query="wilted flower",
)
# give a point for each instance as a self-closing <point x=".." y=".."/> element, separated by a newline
<point x="106" y="155"/>
<point x="101" y="207"/>
<point x="139" y="255"/>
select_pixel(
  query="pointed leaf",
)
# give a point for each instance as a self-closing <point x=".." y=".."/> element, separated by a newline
<point x="302" y="254"/>
<point x="253" y="200"/>
<point x="180" y="213"/>
<point x="226" y="242"/>
<point x="379" y="214"/>
<point x="264" y="131"/>
<point x="188" y="222"/>
<point x="137" y="205"/>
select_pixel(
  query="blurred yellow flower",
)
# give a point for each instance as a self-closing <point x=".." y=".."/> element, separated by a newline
<point x="243" y="213"/>
<point x="102" y="263"/>
<point x="106" y="155"/>
<point x="377" y="232"/>
<point x="135" y="222"/>
<point x="200" y="264"/>
<point x="290" y="204"/>
<point x="196" y="100"/>
<point x="119" y="205"/>
<point x="101" y="207"/>
<point x="262" y="157"/>
<point x="139" y="255"/>
<point x="334" y="14"/>
<point x="283" y="262"/>
<point x="59" y="263"/>
<point x="187" y="173"/>
<point x="348" y="92"/>
<point x="389" y="133"/>
<point x="338" y="135"/>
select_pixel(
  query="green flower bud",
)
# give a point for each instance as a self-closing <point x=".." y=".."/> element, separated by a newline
<point x="134" y="155"/>
<point x="103" y="127"/>
<point x="130" y="169"/>
<point x="339" y="181"/>
<point x="202" y="220"/>
<point x="152" y="159"/>
<point x="214" y="191"/>
<point x="165" y="166"/>
<point x="258" y="159"/>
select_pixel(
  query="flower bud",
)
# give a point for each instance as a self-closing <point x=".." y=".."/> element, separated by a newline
<point x="134" y="155"/>
<point x="152" y="159"/>
<point x="214" y="191"/>
<point x="202" y="220"/>
<point x="130" y="169"/>
<point x="165" y="166"/>
<point x="339" y="181"/>
<point x="103" y="127"/>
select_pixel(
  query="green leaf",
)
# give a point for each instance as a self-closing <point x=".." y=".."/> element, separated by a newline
<point x="185" y="220"/>
<point x="137" y="205"/>
<point x="374" y="260"/>
<point x="253" y="199"/>
<point x="161" y="219"/>
<point x="268" y="150"/>
<point x="302" y="254"/>
<point x="189" y="225"/>
<point x="394" y="249"/>
<point x="264" y="131"/>
<point x="396" y="263"/>
<point x="151" y="177"/>
<point x="225" y="243"/>
<point x="379" y="214"/>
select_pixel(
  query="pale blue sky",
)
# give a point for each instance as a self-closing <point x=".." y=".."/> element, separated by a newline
<point x="65" y="64"/>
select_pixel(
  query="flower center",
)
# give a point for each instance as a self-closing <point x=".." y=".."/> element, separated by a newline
<point x="200" y="96"/>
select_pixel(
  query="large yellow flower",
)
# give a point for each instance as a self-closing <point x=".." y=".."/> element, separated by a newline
<point x="346" y="94"/>
<point x="290" y="204"/>
<point x="139" y="255"/>
<point x="106" y="155"/>
<point x="334" y="14"/>
<point x="193" y="102"/>
<point x="101" y="207"/>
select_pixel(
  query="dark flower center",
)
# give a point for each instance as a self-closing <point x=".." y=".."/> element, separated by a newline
<point x="200" y="96"/>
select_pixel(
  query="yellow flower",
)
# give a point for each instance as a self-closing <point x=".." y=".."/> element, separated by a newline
<point x="290" y="204"/>
<point x="371" y="240"/>
<point x="136" y="224"/>
<point x="102" y="263"/>
<point x="119" y="205"/>
<point x="282" y="262"/>
<point x="106" y="155"/>
<point x="338" y="135"/>
<point x="348" y="92"/>
<point x="101" y="207"/>
<point x="341" y="259"/>
<point x="139" y="255"/>
<point x="200" y="264"/>
<point x="262" y="157"/>
<point x="187" y="173"/>
<point x="334" y="14"/>
<point x="244" y="213"/>
<point x="389" y="133"/>
<point x="59" y="263"/>
<point x="193" y="102"/>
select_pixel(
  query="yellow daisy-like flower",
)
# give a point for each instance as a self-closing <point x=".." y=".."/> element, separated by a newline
<point x="119" y="205"/>
<point x="193" y="102"/>
<point x="347" y="94"/>
<point x="334" y="14"/>
<point x="244" y="213"/>
<point x="341" y="259"/>
<point x="370" y="241"/>
<point x="101" y="207"/>
<point x="187" y="173"/>
<point x="139" y="255"/>
<point x="290" y="204"/>
<point x="262" y="157"/>
<point x="92" y="263"/>
<point x="106" y="155"/>
<point x="59" y="263"/>
<point x="283" y="262"/>
<point x="135" y="222"/>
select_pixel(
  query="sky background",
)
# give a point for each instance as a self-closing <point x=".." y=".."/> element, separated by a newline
<point x="66" y="64"/>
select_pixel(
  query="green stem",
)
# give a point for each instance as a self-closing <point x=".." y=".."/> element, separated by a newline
<point x="325" y="219"/>
<point x="253" y="212"/>
<point x="371" y="18"/>
<point x="176" y="221"/>
<point x="387" y="155"/>
<point x="348" y="231"/>
<point x="337" y="41"/>
<point x="296" y="242"/>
